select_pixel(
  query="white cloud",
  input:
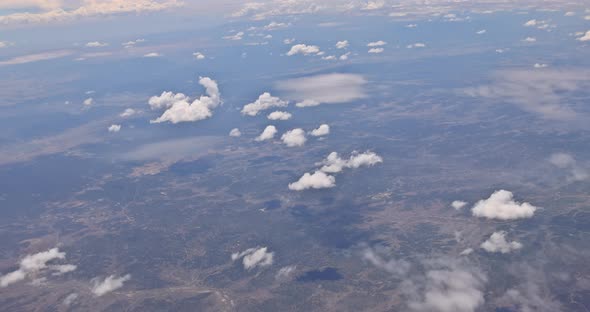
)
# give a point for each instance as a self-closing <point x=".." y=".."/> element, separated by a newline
<point x="585" y="37"/>
<point x="88" y="101"/>
<point x="344" y="56"/>
<point x="329" y="58"/>
<point x="285" y="272"/>
<point x="96" y="44"/>
<point x="152" y="54"/>
<point x="466" y="252"/>
<point x="264" y="102"/>
<point x="128" y="112"/>
<point x="411" y="26"/>
<point x="295" y="137"/>
<point x="4" y="44"/>
<point x="268" y="133"/>
<point x="481" y="32"/>
<point x="55" y="13"/>
<point x="132" y="43"/>
<point x="317" y="180"/>
<point x="275" y="25"/>
<point x="530" y="39"/>
<point x="303" y="49"/>
<point x="376" y="50"/>
<point x="325" y="88"/>
<point x="570" y="13"/>
<point x="530" y="23"/>
<point x="289" y="40"/>
<point x="376" y="43"/>
<point x="501" y="205"/>
<point x="322" y="130"/>
<point x="342" y="44"/>
<point x="115" y="128"/>
<point x="254" y="257"/>
<point x="35" y="264"/>
<point x="458" y="204"/>
<point x="416" y="45"/>
<point x="199" y="55"/>
<point x="393" y="266"/>
<point x="373" y="5"/>
<point x="180" y="110"/>
<point x="69" y="299"/>
<point x="540" y="65"/>
<point x="334" y="164"/>
<point x="109" y="284"/>
<point x="279" y="115"/>
<point x="236" y="36"/>
<point x="497" y="243"/>
<point x="567" y="162"/>
<point x="235" y="132"/>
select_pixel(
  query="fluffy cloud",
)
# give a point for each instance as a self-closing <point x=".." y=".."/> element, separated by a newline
<point x="36" y="264"/>
<point x="235" y="132"/>
<point x="109" y="284"/>
<point x="199" y="55"/>
<point x="344" y="56"/>
<point x="317" y="180"/>
<point x="264" y="101"/>
<point x="88" y="101"/>
<point x="180" y="110"/>
<point x="303" y="49"/>
<point x="115" y="128"/>
<point x="458" y="204"/>
<point x="254" y="257"/>
<point x="279" y="115"/>
<point x="55" y="13"/>
<point x="481" y="32"/>
<point x="376" y="50"/>
<point x="275" y="25"/>
<point x="322" y="130"/>
<point x="567" y="162"/>
<point x="295" y="137"/>
<point x="342" y="44"/>
<point x="96" y="44"/>
<point x="497" y="243"/>
<point x="334" y="164"/>
<point x="326" y="88"/>
<point x="393" y="266"/>
<point x="585" y="37"/>
<point x="268" y="133"/>
<point x="501" y="205"/>
<point x="128" y="112"/>
<point x="376" y="43"/>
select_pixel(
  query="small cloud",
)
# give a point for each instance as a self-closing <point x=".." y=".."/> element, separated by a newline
<point x="393" y="266"/>
<point x="236" y="36"/>
<point x="497" y="243"/>
<point x="235" y="132"/>
<point x="501" y="205"/>
<point x="570" y="13"/>
<point x="481" y="32"/>
<point x="416" y="45"/>
<point x="88" y="101"/>
<point x="279" y="115"/>
<point x="344" y="56"/>
<point x="342" y="44"/>
<point x="567" y="162"/>
<point x="411" y="26"/>
<point x="132" y="43"/>
<point x="376" y="44"/>
<point x="585" y="37"/>
<point x="540" y="65"/>
<point x="329" y="58"/>
<point x="334" y="164"/>
<point x="530" y="23"/>
<point x="317" y="180"/>
<point x="530" y="39"/>
<point x="264" y="102"/>
<point x="289" y="40"/>
<point x="109" y="284"/>
<point x="128" y="112"/>
<point x="69" y="299"/>
<point x="322" y="130"/>
<point x="294" y="138"/>
<point x="254" y="257"/>
<point x="285" y="273"/>
<point x="115" y="128"/>
<point x="152" y="54"/>
<point x="466" y="252"/>
<point x="373" y="5"/>
<point x="376" y="50"/>
<point x="268" y="133"/>
<point x="275" y="25"/>
<point x="325" y="88"/>
<point x="303" y="49"/>
<point x="458" y="204"/>
<point x="199" y="55"/>
<point x="96" y="44"/>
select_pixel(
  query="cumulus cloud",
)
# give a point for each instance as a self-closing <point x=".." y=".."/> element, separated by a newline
<point x="199" y="55"/>
<point x="128" y="112"/>
<point x="115" y="128"/>
<point x="88" y="101"/>
<point x="96" y="44"/>
<point x="342" y="44"/>
<point x="325" y="88"/>
<point x="295" y="137"/>
<point x="376" y="50"/>
<point x="235" y="132"/>
<point x="569" y="163"/>
<point x="334" y="164"/>
<point x="268" y="133"/>
<point x="254" y="257"/>
<point x="279" y="115"/>
<point x="344" y="56"/>
<point x="376" y="43"/>
<point x="317" y="180"/>
<point x="585" y="37"/>
<point x="322" y="130"/>
<point x="303" y="49"/>
<point x="109" y="284"/>
<point x="375" y="257"/>
<point x="458" y="204"/>
<point x="264" y="102"/>
<point x="36" y="264"/>
<point x="55" y="13"/>
<point x="178" y="108"/>
<point x="501" y="205"/>
<point x="497" y="243"/>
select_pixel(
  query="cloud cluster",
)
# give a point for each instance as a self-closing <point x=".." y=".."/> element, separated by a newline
<point x="254" y="257"/>
<point x="376" y="50"/>
<point x="268" y="133"/>
<point x="334" y="164"/>
<point x="325" y="88"/>
<point x="178" y="108"/>
<point x="379" y="43"/>
<point x="293" y="138"/>
<point x="303" y="49"/>
<point x="264" y="102"/>
<point x="109" y="284"/>
<point x="36" y="264"/>
<point x="322" y="130"/>
<point x="497" y="243"/>
<point x="569" y="163"/>
<point x="501" y="205"/>
<point x="342" y="44"/>
<point x="317" y="180"/>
